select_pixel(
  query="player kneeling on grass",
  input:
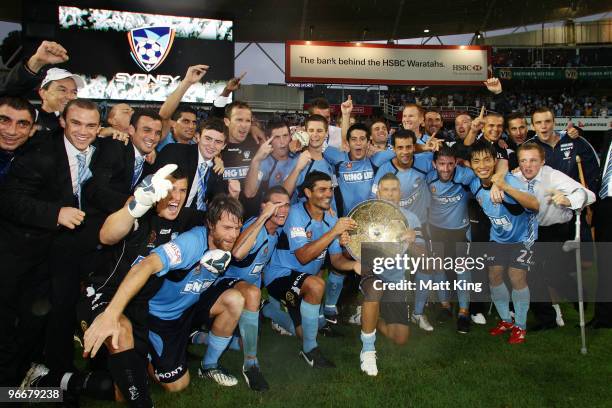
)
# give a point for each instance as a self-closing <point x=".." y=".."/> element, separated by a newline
<point x="189" y="265"/>
<point x="253" y="250"/>
<point x="132" y="231"/>
<point x="387" y="310"/>
<point x="513" y="230"/>
<point x="291" y="277"/>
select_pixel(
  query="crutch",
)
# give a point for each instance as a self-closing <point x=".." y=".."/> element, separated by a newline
<point x="574" y="245"/>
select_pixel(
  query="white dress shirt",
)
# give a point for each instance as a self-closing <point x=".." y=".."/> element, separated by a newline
<point x="549" y="178"/>
<point x="608" y="158"/>
<point x="72" y="152"/>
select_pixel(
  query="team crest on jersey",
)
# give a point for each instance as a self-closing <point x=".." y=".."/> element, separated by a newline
<point x="265" y="251"/>
<point x="433" y="189"/>
<point x="151" y="240"/>
<point x="150" y="45"/>
<point x="277" y="177"/>
<point x="349" y="165"/>
<point x="309" y="235"/>
<point x="247" y="154"/>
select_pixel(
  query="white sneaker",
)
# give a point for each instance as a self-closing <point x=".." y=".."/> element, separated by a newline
<point x="356" y="317"/>
<point x="423" y="323"/>
<point x="280" y="329"/>
<point x="559" y="318"/>
<point x="479" y="318"/>
<point x="35" y="373"/>
<point x="368" y="363"/>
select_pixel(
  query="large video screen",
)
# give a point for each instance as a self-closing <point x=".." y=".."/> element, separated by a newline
<point x="142" y="57"/>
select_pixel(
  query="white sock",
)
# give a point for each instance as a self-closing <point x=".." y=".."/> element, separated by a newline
<point x="557" y="310"/>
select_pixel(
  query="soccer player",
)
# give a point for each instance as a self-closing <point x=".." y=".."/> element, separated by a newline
<point x="411" y="170"/>
<point x="311" y="159"/>
<point x="513" y="231"/>
<point x="355" y="174"/>
<point x="379" y="132"/>
<point x="291" y="277"/>
<point x="449" y="185"/>
<point x="133" y="231"/>
<point x="381" y="309"/>
<point x="252" y="252"/>
<point x="320" y="106"/>
<point x="272" y="162"/>
<point x="186" y="298"/>
<point x="181" y="120"/>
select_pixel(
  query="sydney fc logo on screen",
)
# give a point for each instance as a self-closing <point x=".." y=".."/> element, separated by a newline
<point x="150" y="45"/>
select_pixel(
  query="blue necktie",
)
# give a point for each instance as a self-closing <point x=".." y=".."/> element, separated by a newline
<point x="81" y="174"/>
<point x="202" y="170"/>
<point x="137" y="170"/>
<point x="607" y="175"/>
<point x="532" y="220"/>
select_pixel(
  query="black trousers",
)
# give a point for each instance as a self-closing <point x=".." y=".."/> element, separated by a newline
<point x="549" y="269"/>
<point x="24" y="306"/>
<point x="603" y="237"/>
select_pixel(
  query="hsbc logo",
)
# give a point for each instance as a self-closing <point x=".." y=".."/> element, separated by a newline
<point x="463" y="67"/>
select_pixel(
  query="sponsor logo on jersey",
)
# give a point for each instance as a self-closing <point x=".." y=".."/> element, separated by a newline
<point x="235" y="172"/>
<point x="173" y="252"/>
<point x="197" y="286"/>
<point x="165" y="231"/>
<point x="256" y="269"/>
<point x="169" y="374"/>
<point x="502" y="222"/>
<point x="297" y="232"/>
<point x="356" y="176"/>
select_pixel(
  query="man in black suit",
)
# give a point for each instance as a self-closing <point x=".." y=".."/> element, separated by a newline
<point x="196" y="161"/>
<point x="602" y="220"/>
<point x="40" y="223"/>
<point x="120" y="167"/>
<point x="17" y="117"/>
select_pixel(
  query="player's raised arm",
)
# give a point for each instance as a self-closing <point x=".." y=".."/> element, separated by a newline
<point x="107" y="323"/>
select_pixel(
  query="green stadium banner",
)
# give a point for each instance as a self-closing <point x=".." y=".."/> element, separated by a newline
<point x="556" y="74"/>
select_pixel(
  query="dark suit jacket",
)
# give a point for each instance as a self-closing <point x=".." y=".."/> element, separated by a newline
<point x="186" y="157"/>
<point x="111" y="184"/>
<point x="37" y="186"/>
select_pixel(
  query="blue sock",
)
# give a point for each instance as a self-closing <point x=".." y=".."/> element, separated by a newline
<point x="272" y="310"/>
<point x="249" y="326"/>
<point x="367" y="341"/>
<point x="216" y="347"/>
<point x="501" y="298"/>
<point x="310" y="326"/>
<point x="235" y="343"/>
<point x="333" y="288"/>
<point x="440" y="277"/>
<point x="520" y="299"/>
<point x="420" y="297"/>
<point x="463" y="296"/>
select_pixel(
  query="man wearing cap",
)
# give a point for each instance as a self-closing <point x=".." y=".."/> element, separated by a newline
<point x="57" y="86"/>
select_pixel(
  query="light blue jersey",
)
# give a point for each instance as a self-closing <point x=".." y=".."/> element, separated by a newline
<point x="414" y="193"/>
<point x="250" y="267"/>
<point x="449" y="199"/>
<point x="274" y="172"/>
<point x="510" y="222"/>
<point x="314" y="165"/>
<point x="300" y="230"/>
<point x="355" y="177"/>
<point x="182" y="290"/>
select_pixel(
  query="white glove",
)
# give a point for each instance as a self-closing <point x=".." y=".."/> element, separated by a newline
<point x="216" y="260"/>
<point x="150" y="190"/>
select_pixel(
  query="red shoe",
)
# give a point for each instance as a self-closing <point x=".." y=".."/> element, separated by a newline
<point x="501" y="328"/>
<point x="517" y="336"/>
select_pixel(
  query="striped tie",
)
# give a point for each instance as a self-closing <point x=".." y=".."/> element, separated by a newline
<point x="201" y="204"/>
<point x="532" y="220"/>
<point x="605" y="180"/>
<point x="81" y="174"/>
<point x="137" y="170"/>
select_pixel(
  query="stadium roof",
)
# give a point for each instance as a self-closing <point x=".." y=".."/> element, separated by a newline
<point x="341" y="20"/>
